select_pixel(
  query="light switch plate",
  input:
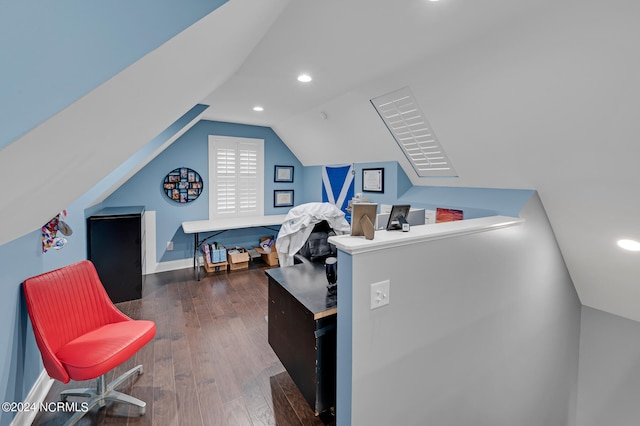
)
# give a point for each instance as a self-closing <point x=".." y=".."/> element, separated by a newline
<point x="379" y="294"/>
<point x="429" y="216"/>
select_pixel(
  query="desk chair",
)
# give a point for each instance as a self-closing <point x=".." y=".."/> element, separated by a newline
<point x="82" y="335"/>
<point x="317" y="248"/>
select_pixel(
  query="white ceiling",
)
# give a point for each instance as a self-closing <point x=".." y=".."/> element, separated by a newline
<point x="344" y="44"/>
<point x="534" y="94"/>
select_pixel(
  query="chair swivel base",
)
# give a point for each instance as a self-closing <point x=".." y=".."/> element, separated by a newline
<point x="103" y="393"/>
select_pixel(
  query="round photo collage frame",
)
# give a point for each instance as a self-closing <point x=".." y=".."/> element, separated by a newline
<point x="183" y="185"/>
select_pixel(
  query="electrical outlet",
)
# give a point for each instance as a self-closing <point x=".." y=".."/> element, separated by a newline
<point x="379" y="294"/>
<point x="169" y="245"/>
<point x="429" y="216"/>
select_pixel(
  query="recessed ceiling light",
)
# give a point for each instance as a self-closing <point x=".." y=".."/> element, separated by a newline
<point x="258" y="108"/>
<point x="630" y="245"/>
<point x="304" y="78"/>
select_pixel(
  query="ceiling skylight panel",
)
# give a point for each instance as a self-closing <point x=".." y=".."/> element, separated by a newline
<point x="409" y="127"/>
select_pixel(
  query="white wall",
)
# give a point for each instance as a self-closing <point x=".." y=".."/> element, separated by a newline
<point x="481" y="329"/>
<point x="548" y="101"/>
<point x="609" y="384"/>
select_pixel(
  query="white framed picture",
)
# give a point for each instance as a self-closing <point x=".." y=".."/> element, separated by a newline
<point x="283" y="198"/>
<point x="283" y="174"/>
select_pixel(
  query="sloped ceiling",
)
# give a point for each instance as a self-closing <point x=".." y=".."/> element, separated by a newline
<point x="65" y="156"/>
<point x="53" y="53"/>
<point x="537" y="94"/>
<point x="533" y="94"/>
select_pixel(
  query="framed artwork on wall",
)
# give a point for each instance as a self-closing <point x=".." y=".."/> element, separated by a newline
<point x="182" y="185"/>
<point x="283" y="174"/>
<point x="373" y="180"/>
<point x="283" y="198"/>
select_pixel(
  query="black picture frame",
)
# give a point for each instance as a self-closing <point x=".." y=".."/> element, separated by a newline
<point x="283" y="198"/>
<point x="373" y="180"/>
<point x="283" y="173"/>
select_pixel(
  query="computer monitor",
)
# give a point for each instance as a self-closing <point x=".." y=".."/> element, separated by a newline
<point x="363" y="217"/>
<point x="398" y="216"/>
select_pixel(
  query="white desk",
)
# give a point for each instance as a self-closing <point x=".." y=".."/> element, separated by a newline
<point x="195" y="227"/>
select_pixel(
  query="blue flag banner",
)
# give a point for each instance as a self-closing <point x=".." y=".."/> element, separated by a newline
<point x="338" y="186"/>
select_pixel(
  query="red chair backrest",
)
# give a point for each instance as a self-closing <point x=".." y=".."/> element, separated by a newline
<point x="64" y="304"/>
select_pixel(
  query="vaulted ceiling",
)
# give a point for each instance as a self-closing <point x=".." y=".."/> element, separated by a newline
<point x="534" y="94"/>
<point x="522" y="94"/>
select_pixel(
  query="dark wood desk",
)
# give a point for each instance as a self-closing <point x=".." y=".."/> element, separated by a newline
<point x="302" y="330"/>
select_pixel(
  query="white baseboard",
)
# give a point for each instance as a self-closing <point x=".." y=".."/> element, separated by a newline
<point x="172" y="265"/>
<point x="37" y="395"/>
<point x="150" y="264"/>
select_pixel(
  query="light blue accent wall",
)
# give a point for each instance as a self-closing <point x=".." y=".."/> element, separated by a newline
<point x="475" y="202"/>
<point x="22" y="258"/>
<point x="76" y="248"/>
<point x="191" y="150"/>
<point x="404" y="183"/>
<point x="396" y="182"/>
<point x="20" y="362"/>
<point x="394" y="185"/>
<point x="312" y="184"/>
<point x="54" y="52"/>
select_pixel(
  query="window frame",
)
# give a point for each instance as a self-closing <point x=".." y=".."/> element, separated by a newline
<point x="238" y="144"/>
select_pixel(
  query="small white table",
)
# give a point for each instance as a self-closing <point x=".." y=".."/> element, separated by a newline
<point x="219" y="226"/>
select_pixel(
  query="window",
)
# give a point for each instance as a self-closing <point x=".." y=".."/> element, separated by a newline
<point x="236" y="177"/>
<point x="413" y="133"/>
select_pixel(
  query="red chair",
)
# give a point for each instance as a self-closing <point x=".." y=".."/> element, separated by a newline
<point x="82" y="335"/>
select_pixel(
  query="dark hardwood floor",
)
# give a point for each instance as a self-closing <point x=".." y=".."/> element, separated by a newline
<point x="210" y="362"/>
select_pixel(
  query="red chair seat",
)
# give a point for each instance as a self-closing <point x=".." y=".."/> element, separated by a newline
<point x="82" y="335"/>
<point x="104" y="348"/>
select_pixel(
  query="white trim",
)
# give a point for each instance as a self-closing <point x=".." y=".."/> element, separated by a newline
<point x="174" y="265"/>
<point x="327" y="186"/>
<point x="238" y="145"/>
<point x="36" y="395"/>
<point x="386" y="239"/>
<point x="345" y="188"/>
<point x="150" y="265"/>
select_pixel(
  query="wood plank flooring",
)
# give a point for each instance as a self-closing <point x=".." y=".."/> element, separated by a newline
<point x="210" y="362"/>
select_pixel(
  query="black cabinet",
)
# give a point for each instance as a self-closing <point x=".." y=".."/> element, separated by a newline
<point x="115" y="245"/>
<point x="302" y="330"/>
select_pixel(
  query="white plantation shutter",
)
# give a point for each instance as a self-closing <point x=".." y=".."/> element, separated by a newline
<point x="224" y="181"/>
<point x="236" y="176"/>
<point x="248" y="177"/>
<point x="409" y="127"/>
